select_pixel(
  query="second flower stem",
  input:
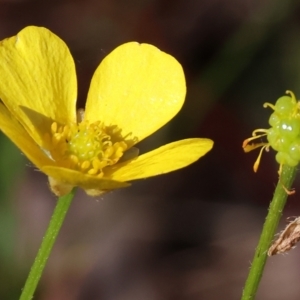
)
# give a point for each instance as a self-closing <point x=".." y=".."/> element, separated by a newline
<point x="62" y="206"/>
<point x="275" y="211"/>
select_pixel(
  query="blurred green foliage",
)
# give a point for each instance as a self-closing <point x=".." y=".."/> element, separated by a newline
<point x="12" y="165"/>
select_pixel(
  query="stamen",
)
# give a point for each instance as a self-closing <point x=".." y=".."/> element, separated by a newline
<point x="257" y="162"/>
<point x="252" y="146"/>
<point x="54" y="127"/>
<point x="262" y="130"/>
<point x="258" y="133"/>
<point x="85" y="147"/>
<point x="85" y="165"/>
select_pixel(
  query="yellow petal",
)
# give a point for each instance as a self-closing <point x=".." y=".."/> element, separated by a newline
<point x="37" y="73"/>
<point x="162" y="160"/>
<point x="84" y="181"/>
<point x="12" y="128"/>
<point x="138" y="88"/>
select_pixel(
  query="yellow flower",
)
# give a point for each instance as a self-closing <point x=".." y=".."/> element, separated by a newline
<point x="135" y="90"/>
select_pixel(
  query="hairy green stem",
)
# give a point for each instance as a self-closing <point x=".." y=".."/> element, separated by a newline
<point x="275" y="211"/>
<point x="62" y="206"/>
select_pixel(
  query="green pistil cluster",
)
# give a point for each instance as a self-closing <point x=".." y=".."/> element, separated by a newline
<point x="284" y="134"/>
<point x="86" y="147"/>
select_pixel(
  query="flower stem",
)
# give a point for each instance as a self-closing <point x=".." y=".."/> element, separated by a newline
<point x="62" y="206"/>
<point x="277" y="204"/>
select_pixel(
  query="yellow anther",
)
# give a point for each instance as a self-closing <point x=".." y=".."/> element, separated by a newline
<point x="53" y="127"/>
<point x="74" y="159"/>
<point x="85" y="165"/>
<point x="257" y="162"/>
<point x="92" y="172"/>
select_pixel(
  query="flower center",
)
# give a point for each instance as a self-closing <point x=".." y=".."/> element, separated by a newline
<point x="85" y="147"/>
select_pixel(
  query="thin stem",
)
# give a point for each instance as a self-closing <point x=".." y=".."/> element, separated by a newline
<point x="275" y="212"/>
<point x="62" y="206"/>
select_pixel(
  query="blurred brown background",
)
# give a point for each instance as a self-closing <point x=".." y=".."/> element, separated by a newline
<point x="186" y="235"/>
